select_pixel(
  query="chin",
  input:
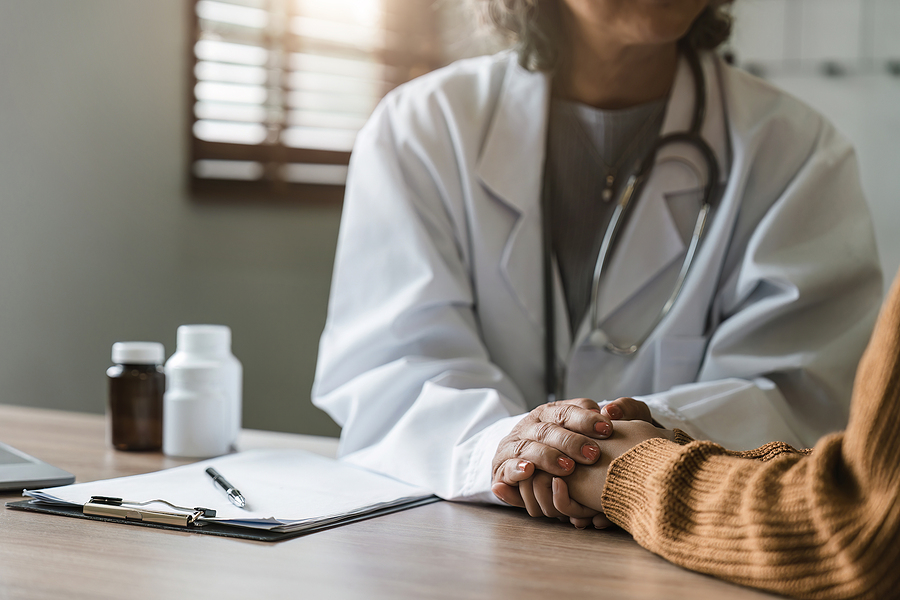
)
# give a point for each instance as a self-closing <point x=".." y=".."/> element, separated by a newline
<point x="656" y="35"/>
<point x="665" y="21"/>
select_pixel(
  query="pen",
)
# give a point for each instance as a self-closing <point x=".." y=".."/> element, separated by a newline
<point x="233" y="494"/>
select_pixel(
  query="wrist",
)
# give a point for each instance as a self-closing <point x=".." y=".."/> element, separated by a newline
<point x="629" y="488"/>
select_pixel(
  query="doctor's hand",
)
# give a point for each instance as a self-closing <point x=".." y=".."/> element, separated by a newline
<point x="547" y="496"/>
<point x="627" y="409"/>
<point x="551" y="438"/>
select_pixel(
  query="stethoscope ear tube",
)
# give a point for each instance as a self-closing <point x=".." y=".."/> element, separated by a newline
<point x="551" y="375"/>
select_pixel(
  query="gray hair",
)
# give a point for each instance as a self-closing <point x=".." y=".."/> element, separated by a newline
<point x="534" y="28"/>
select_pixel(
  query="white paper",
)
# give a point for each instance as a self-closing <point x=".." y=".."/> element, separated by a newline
<point x="285" y="490"/>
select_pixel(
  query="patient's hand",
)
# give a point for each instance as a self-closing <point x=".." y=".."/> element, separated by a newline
<point x="578" y="494"/>
<point x="538" y="493"/>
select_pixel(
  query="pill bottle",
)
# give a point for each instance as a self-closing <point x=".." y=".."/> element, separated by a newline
<point x="205" y="346"/>
<point x="197" y="412"/>
<point x="136" y="387"/>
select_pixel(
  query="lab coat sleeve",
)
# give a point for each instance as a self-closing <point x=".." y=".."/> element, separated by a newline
<point x="795" y="306"/>
<point x="402" y="367"/>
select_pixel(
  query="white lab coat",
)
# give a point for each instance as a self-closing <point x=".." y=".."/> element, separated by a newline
<point x="433" y="346"/>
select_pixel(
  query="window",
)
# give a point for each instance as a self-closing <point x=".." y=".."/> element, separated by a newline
<point x="281" y="87"/>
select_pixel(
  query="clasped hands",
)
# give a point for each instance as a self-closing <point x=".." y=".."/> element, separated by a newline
<point x="554" y="462"/>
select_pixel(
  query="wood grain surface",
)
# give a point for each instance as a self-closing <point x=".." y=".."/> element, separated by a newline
<point x="442" y="550"/>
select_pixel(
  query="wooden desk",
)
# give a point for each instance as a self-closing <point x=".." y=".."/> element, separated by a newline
<point x="442" y="550"/>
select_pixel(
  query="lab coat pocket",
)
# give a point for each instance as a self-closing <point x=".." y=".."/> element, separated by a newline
<point x="678" y="361"/>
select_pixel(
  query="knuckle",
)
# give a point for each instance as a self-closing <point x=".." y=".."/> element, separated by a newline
<point x="543" y="431"/>
<point x="569" y="439"/>
<point x="587" y="403"/>
<point x="503" y="447"/>
<point x="634" y="409"/>
<point x="564" y="414"/>
<point x="520" y="447"/>
<point x="499" y="467"/>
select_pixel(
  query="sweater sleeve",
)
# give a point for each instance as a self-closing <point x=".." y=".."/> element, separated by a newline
<point x="819" y="524"/>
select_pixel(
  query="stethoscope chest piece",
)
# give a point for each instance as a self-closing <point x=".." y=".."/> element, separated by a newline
<point x="598" y="338"/>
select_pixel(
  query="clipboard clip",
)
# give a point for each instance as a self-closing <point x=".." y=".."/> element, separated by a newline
<point x="117" y="508"/>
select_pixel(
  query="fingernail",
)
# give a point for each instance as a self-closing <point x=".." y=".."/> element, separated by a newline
<point x="522" y="466"/>
<point x="581" y="528"/>
<point x="565" y="462"/>
<point x="590" y="452"/>
<point x="603" y="428"/>
<point x="613" y="411"/>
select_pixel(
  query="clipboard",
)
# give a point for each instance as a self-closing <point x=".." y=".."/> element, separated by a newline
<point x="208" y="527"/>
<point x="289" y="493"/>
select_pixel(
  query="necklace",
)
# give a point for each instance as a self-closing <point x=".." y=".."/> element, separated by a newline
<point x="612" y="171"/>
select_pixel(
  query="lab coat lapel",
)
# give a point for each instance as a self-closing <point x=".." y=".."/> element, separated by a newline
<point x="651" y="237"/>
<point x="511" y="166"/>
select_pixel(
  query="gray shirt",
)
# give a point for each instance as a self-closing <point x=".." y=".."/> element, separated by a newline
<point x="589" y="149"/>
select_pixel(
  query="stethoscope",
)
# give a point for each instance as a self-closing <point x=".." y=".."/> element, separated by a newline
<point x="628" y="197"/>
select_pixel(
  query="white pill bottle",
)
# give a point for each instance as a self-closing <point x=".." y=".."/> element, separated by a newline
<point x="202" y="403"/>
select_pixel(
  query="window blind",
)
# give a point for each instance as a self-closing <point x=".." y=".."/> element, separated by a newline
<point x="280" y="88"/>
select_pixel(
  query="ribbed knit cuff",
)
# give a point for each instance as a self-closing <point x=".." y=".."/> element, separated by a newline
<point x="635" y="480"/>
<point x="628" y="488"/>
<point x="681" y="438"/>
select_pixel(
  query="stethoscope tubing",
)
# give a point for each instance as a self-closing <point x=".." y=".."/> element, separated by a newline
<point x="632" y="192"/>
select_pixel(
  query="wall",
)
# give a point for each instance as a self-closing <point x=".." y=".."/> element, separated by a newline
<point x="793" y="42"/>
<point x="99" y="241"/>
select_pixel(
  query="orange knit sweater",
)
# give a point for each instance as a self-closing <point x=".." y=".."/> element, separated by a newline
<point x="823" y="523"/>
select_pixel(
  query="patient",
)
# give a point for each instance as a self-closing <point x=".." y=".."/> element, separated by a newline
<point x="820" y="523"/>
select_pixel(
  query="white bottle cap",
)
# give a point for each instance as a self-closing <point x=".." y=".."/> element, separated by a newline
<point x="138" y="353"/>
<point x="202" y="339"/>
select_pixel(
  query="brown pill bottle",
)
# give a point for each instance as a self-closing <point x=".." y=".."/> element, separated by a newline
<point x="136" y="386"/>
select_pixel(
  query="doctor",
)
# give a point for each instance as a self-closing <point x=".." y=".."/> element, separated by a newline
<point x="609" y="211"/>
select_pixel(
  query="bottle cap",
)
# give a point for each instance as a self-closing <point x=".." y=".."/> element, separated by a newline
<point x="212" y="339"/>
<point x="138" y="353"/>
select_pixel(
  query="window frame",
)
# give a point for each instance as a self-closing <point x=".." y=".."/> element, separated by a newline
<point x="271" y="188"/>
